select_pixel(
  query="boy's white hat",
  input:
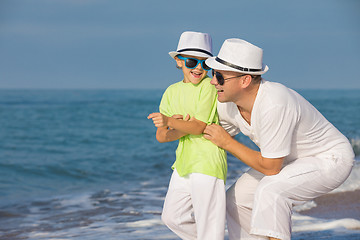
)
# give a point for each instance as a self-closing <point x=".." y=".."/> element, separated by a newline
<point x="194" y="44"/>
<point x="238" y="55"/>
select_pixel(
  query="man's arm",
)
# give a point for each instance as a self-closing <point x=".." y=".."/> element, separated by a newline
<point x="252" y="158"/>
<point x="193" y="126"/>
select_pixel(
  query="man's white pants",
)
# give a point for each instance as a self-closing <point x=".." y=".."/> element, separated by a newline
<point x="260" y="206"/>
<point x="194" y="207"/>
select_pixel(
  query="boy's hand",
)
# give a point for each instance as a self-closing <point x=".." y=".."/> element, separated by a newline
<point x="159" y="120"/>
<point x="181" y="117"/>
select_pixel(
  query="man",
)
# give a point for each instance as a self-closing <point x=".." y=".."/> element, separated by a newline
<point x="301" y="157"/>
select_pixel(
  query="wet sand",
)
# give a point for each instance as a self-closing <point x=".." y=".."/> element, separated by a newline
<point x="336" y="206"/>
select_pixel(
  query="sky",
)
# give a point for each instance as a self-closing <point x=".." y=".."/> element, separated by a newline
<point x="103" y="44"/>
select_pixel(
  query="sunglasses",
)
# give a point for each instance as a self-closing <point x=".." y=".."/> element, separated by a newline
<point x="221" y="79"/>
<point x="192" y="63"/>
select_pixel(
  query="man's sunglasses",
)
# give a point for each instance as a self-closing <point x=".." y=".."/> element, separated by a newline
<point x="192" y="63"/>
<point x="221" y="79"/>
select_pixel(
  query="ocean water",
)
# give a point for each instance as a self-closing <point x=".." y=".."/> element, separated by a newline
<point x="85" y="164"/>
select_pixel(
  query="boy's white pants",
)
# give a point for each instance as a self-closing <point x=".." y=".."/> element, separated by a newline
<point x="194" y="207"/>
<point x="259" y="206"/>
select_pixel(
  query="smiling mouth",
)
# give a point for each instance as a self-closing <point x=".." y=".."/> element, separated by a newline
<point x="196" y="74"/>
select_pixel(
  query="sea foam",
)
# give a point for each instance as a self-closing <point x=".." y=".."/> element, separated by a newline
<point x="353" y="181"/>
<point x="306" y="223"/>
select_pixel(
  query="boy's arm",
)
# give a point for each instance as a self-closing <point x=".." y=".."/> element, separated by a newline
<point x="193" y="126"/>
<point x="165" y="134"/>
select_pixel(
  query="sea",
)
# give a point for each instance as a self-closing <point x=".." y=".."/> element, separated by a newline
<point x="85" y="165"/>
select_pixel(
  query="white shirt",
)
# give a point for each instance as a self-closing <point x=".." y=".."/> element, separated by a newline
<point x="283" y="124"/>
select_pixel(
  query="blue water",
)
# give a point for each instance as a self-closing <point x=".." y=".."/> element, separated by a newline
<point x="84" y="164"/>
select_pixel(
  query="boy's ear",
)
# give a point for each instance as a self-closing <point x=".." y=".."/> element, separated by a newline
<point x="179" y="63"/>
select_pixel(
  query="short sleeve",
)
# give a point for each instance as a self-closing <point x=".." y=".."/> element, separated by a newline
<point x="226" y="118"/>
<point x="229" y="127"/>
<point x="164" y="107"/>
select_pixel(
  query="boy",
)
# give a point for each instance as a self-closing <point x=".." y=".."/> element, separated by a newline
<point x="194" y="206"/>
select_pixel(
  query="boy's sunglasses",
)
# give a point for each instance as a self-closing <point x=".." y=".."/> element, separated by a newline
<point x="192" y="63"/>
<point x="221" y="79"/>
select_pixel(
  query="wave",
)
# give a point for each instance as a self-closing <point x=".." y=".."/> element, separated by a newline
<point x="355" y="143"/>
<point x="303" y="223"/>
<point x="353" y="181"/>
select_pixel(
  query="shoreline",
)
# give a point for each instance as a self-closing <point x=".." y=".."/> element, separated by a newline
<point x="337" y="205"/>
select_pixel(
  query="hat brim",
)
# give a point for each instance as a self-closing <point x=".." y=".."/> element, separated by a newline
<point x="211" y="62"/>
<point x="190" y="53"/>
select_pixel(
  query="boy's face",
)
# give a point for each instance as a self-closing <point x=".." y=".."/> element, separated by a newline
<point x="192" y="75"/>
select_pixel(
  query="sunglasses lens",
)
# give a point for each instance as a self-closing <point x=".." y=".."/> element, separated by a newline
<point x="205" y="67"/>
<point x="191" y="63"/>
<point x="219" y="78"/>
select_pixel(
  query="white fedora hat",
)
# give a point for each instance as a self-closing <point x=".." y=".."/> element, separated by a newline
<point x="238" y="55"/>
<point x="194" y="44"/>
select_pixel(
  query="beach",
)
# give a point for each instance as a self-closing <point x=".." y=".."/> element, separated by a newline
<point x="336" y="206"/>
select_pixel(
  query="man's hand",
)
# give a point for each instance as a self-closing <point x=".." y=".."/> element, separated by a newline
<point x="217" y="135"/>
<point x="268" y="166"/>
<point x="159" y="120"/>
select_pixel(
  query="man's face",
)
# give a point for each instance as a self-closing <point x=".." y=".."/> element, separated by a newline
<point x="230" y="81"/>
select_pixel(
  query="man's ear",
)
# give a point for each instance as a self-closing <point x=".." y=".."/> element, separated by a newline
<point x="246" y="81"/>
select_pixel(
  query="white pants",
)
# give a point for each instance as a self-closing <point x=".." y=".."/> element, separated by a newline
<point x="194" y="207"/>
<point x="260" y="206"/>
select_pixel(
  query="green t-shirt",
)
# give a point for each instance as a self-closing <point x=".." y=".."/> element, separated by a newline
<point x="195" y="154"/>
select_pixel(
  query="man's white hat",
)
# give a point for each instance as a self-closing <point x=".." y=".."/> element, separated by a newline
<point x="194" y="44"/>
<point x="238" y="55"/>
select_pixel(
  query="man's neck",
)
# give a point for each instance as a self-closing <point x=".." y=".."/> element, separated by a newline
<point x="246" y="102"/>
